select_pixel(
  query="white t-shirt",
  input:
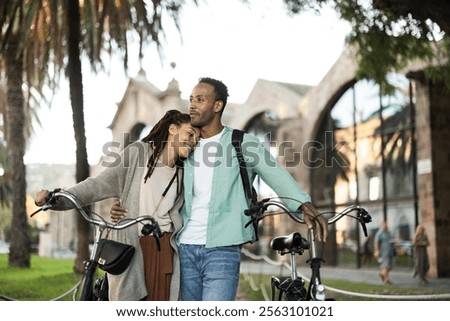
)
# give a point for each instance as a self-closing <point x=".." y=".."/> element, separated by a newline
<point x="204" y="158"/>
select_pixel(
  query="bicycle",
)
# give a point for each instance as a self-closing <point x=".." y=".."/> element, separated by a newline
<point x="87" y="281"/>
<point x="292" y="287"/>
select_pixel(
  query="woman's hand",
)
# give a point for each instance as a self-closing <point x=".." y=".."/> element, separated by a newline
<point x="40" y="197"/>
<point x="117" y="212"/>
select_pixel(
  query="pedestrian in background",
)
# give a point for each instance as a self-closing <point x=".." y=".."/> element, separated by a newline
<point x="421" y="261"/>
<point x="384" y="252"/>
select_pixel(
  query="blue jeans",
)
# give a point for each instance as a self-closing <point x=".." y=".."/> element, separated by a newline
<point x="209" y="274"/>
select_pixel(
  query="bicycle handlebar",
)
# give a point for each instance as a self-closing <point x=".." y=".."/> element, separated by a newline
<point x="51" y="199"/>
<point x="256" y="212"/>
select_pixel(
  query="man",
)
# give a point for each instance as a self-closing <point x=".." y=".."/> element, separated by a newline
<point x="214" y="222"/>
<point x="384" y="251"/>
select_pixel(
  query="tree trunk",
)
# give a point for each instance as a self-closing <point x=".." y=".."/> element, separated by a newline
<point x="19" y="254"/>
<point x="76" y="98"/>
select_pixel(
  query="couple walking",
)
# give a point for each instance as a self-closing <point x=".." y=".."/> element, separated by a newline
<point x="188" y="185"/>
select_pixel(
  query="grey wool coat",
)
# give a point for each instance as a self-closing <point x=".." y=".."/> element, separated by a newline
<point x="121" y="179"/>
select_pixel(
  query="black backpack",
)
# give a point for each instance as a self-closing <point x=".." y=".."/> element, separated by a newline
<point x="250" y="192"/>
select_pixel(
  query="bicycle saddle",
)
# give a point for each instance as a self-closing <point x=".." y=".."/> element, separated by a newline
<point x="293" y="241"/>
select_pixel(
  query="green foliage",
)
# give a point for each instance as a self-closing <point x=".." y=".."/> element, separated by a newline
<point x="297" y="6"/>
<point x="107" y="27"/>
<point x="441" y="72"/>
<point x="388" y="35"/>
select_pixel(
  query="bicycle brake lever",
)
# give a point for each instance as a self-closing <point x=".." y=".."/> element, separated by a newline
<point x="248" y="223"/>
<point x="158" y="243"/>
<point x="364" y="229"/>
<point x="254" y="214"/>
<point x="37" y="211"/>
<point x="157" y="234"/>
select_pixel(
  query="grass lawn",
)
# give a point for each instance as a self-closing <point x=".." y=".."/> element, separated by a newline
<point x="46" y="279"/>
<point x="49" y="278"/>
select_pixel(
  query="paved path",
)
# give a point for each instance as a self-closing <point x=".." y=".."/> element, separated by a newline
<point x="401" y="277"/>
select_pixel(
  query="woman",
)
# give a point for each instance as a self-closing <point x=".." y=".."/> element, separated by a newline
<point x="147" y="178"/>
<point x="421" y="262"/>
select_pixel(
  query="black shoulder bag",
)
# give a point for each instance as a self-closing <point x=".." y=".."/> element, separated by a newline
<point x="114" y="257"/>
<point x="250" y="192"/>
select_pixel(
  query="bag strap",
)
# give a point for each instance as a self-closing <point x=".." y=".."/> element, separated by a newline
<point x="236" y="139"/>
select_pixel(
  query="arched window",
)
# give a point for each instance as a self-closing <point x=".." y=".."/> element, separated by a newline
<point x="138" y="132"/>
<point x="365" y="154"/>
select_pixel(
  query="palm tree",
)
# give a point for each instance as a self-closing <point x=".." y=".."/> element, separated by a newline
<point x="76" y="97"/>
<point x="28" y="32"/>
<point x="35" y="36"/>
<point x="15" y="115"/>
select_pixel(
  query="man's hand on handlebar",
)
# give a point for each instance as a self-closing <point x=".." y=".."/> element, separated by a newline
<point x="313" y="218"/>
<point x="117" y="212"/>
<point x="41" y="197"/>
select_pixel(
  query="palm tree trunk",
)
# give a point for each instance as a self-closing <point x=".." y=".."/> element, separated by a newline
<point x="76" y="98"/>
<point x="19" y="255"/>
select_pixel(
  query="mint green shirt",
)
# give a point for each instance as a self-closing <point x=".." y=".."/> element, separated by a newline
<point x="226" y="220"/>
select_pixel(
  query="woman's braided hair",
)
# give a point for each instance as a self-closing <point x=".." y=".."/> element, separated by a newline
<point x="159" y="135"/>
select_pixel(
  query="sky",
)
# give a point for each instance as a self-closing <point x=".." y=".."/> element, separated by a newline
<point x="226" y="40"/>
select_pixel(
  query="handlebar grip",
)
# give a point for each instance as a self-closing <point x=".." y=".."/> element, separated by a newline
<point x="148" y="229"/>
<point x="50" y="198"/>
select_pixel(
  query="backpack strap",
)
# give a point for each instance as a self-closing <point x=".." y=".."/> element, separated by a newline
<point x="236" y="139"/>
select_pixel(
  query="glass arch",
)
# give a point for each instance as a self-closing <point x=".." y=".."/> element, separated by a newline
<point x="368" y="159"/>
